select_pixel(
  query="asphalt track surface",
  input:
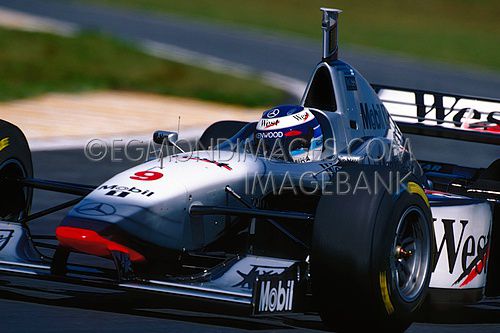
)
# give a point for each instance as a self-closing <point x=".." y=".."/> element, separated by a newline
<point x="34" y="306"/>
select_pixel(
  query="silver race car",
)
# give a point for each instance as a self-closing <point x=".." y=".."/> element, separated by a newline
<point x="317" y="207"/>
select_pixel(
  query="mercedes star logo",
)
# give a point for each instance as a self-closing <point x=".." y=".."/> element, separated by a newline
<point x="96" y="209"/>
<point x="273" y="113"/>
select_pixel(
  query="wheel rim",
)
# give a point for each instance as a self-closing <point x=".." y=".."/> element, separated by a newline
<point x="411" y="254"/>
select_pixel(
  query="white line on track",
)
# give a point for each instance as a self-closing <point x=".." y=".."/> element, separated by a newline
<point x="18" y="20"/>
<point x="65" y="143"/>
<point x="174" y="53"/>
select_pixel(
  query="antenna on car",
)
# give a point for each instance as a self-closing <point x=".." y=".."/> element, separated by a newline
<point x="178" y="131"/>
<point x="178" y="125"/>
<point x="329" y="26"/>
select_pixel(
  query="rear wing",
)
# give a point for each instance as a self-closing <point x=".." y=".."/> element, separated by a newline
<point x="451" y="116"/>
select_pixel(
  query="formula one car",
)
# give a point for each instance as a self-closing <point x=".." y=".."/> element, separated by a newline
<point x="315" y="207"/>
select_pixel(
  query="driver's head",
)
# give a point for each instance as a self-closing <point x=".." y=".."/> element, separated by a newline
<point x="291" y="130"/>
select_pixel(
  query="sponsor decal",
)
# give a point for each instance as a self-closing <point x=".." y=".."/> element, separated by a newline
<point x="374" y="116"/>
<point x="146" y="175"/>
<point x="123" y="191"/>
<point x="476" y="267"/>
<point x="301" y="116"/>
<point x="330" y="168"/>
<point x="96" y="209"/>
<point x="494" y="118"/>
<point x="431" y="167"/>
<point x="273" y="113"/>
<point x="466" y="251"/>
<point x="492" y="123"/>
<point x="447" y="111"/>
<point x="303" y="159"/>
<point x="269" y="135"/>
<point x="276" y="295"/>
<point x="349" y="158"/>
<point x="447" y="168"/>
<point x="4" y="143"/>
<point x="248" y="279"/>
<point x="286" y="121"/>
<point x="265" y="123"/>
<point x="5" y="237"/>
<point x="219" y="164"/>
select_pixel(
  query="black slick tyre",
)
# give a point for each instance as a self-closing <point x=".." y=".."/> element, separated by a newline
<point x="372" y="254"/>
<point x="15" y="164"/>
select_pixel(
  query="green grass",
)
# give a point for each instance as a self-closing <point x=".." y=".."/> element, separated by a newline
<point x="36" y="63"/>
<point x="455" y="31"/>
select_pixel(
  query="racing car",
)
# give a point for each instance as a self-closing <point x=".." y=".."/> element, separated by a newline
<point x="317" y="207"/>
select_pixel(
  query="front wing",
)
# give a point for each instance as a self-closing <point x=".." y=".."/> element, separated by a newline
<point x="254" y="284"/>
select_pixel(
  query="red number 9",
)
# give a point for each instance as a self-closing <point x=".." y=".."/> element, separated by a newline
<point x="146" y="175"/>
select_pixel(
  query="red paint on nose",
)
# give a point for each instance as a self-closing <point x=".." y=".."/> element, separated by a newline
<point x="90" y="242"/>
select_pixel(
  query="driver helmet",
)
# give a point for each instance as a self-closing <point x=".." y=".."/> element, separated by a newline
<point x="291" y="130"/>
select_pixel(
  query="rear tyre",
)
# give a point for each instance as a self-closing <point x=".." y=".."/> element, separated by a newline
<point x="492" y="172"/>
<point x="15" y="163"/>
<point x="372" y="255"/>
<point x="490" y="180"/>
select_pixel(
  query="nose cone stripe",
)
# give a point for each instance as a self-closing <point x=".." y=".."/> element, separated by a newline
<point x="90" y="242"/>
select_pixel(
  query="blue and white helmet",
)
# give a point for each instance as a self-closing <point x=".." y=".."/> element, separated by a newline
<point x="292" y="128"/>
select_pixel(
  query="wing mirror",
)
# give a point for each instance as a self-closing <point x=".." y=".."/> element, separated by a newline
<point x="160" y="137"/>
